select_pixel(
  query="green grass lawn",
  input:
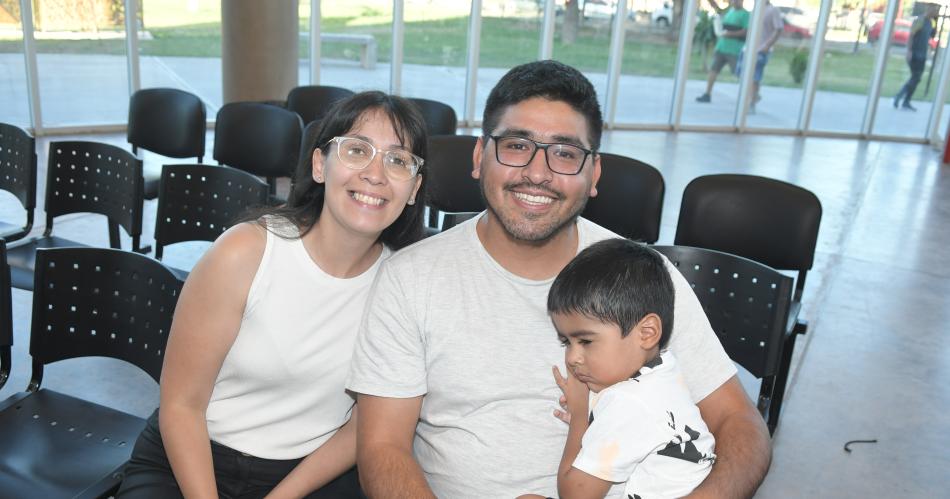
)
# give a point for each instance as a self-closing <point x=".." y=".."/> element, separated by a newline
<point x="505" y="42"/>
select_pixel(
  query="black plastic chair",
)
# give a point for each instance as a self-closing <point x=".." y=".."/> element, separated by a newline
<point x="629" y="198"/>
<point x="84" y="177"/>
<point x="199" y="202"/>
<point x="440" y="118"/>
<point x="748" y="307"/>
<point x="88" y="302"/>
<point x="762" y="219"/>
<point x="451" y="188"/>
<point x="6" y="317"/>
<point x="312" y="102"/>
<point x="260" y="139"/>
<point x="169" y="122"/>
<point x="18" y="176"/>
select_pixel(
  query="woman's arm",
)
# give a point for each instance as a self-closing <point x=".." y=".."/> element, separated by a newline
<point x="207" y="319"/>
<point x="330" y="460"/>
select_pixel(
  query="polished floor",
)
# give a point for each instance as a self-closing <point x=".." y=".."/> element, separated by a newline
<point x="874" y="366"/>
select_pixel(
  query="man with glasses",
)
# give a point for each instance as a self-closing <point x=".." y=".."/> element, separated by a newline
<point x="452" y="366"/>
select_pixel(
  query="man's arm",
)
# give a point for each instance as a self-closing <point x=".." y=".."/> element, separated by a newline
<point x="385" y="430"/>
<point x="743" y="446"/>
<point x="716" y="7"/>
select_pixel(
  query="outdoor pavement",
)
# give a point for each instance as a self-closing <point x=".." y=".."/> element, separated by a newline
<point x="93" y="89"/>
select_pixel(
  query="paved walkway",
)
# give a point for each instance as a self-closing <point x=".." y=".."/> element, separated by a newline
<point x="92" y="89"/>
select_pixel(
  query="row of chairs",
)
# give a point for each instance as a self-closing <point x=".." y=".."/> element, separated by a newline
<point x="263" y="139"/>
<point x="88" y="302"/>
<point x="195" y="202"/>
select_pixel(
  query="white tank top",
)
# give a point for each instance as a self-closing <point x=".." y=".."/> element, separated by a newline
<point x="280" y="392"/>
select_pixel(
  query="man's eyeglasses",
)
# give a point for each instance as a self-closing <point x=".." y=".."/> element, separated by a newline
<point x="566" y="159"/>
<point x="357" y="154"/>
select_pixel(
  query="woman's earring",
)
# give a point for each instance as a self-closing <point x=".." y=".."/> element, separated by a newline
<point x="411" y="202"/>
<point x="319" y="178"/>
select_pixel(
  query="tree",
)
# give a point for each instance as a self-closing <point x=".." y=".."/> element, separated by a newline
<point x="572" y="21"/>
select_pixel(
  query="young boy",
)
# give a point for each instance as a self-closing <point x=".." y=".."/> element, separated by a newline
<point x="632" y="417"/>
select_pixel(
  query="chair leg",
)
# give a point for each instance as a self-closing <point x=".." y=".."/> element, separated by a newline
<point x="778" y="395"/>
<point x="114" y="241"/>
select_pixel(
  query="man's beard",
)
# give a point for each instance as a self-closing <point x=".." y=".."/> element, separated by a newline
<point x="525" y="231"/>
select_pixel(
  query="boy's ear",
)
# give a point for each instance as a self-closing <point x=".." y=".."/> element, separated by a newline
<point x="649" y="330"/>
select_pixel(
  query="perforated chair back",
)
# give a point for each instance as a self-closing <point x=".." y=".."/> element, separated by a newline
<point x="763" y="219"/>
<point x="629" y="198"/>
<point x="451" y="188"/>
<point x="101" y="302"/>
<point x="312" y="102"/>
<point x="6" y="317"/>
<point x="440" y="118"/>
<point x="18" y="175"/>
<point x="95" y="178"/>
<point x="261" y="139"/>
<point x="748" y="306"/>
<point x="199" y="202"/>
<point x="167" y="121"/>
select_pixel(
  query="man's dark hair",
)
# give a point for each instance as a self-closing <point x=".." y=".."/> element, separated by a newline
<point x="550" y="80"/>
<point x="616" y="281"/>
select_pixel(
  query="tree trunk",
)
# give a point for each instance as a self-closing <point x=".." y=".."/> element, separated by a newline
<point x="572" y="19"/>
<point x="677" y="21"/>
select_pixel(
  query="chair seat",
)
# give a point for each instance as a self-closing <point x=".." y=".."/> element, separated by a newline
<point x="60" y="446"/>
<point x="22" y="258"/>
<point x="11" y="232"/>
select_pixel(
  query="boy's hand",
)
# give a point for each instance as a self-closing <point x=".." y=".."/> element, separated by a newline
<point x="574" y="398"/>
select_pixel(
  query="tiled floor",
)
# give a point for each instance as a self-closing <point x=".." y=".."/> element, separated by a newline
<point x="876" y="361"/>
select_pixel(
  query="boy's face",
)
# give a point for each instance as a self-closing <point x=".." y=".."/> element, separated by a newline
<point x="597" y="355"/>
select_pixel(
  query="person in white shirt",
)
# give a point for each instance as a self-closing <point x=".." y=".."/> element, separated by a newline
<point x="252" y="395"/>
<point x="612" y="307"/>
<point x="451" y="359"/>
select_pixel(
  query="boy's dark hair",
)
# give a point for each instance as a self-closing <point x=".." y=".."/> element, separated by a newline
<point x="551" y="80"/>
<point x="305" y="203"/>
<point x="616" y="281"/>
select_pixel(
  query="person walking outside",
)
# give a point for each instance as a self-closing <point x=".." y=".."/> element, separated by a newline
<point x="735" y="24"/>
<point x="923" y="29"/>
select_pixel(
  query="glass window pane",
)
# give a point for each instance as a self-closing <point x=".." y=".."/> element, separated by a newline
<point x="582" y="39"/>
<point x="180" y="47"/>
<point x="712" y="87"/>
<point x="511" y="34"/>
<point x="435" y="51"/>
<point x="846" y="68"/>
<point x="14" y="96"/>
<point x="649" y="63"/>
<point x="303" y="70"/>
<point x="910" y="78"/>
<point x="81" y="60"/>
<point x="356" y="44"/>
<point x="781" y="65"/>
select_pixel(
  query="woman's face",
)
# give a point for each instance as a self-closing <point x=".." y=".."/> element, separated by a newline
<point x="364" y="202"/>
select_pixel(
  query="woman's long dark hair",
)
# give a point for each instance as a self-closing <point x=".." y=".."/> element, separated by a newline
<point x="305" y="203"/>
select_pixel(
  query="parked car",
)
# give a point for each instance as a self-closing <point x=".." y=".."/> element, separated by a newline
<point x="794" y="31"/>
<point x="901" y="33"/>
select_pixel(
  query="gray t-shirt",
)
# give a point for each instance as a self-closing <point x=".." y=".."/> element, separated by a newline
<point x="445" y="320"/>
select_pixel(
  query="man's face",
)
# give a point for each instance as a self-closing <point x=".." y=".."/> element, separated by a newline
<point x="532" y="202"/>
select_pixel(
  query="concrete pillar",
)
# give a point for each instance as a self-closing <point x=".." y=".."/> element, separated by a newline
<point x="259" y="49"/>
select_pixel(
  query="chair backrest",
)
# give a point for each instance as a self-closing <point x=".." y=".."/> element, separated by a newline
<point x="18" y="166"/>
<point x="311" y="102"/>
<point x="450" y="185"/>
<point x="199" y="202"/>
<point x="101" y="302"/>
<point x="763" y="219"/>
<point x="96" y="178"/>
<point x="629" y="198"/>
<point x="439" y="117"/>
<point x="258" y="138"/>
<point x="167" y="121"/>
<point x="6" y="317"/>
<point x="304" y="161"/>
<point x="747" y="303"/>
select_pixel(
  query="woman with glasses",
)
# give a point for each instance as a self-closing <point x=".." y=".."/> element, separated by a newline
<point x="252" y="392"/>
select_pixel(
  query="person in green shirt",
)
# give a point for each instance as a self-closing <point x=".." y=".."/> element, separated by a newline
<point x="735" y="24"/>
